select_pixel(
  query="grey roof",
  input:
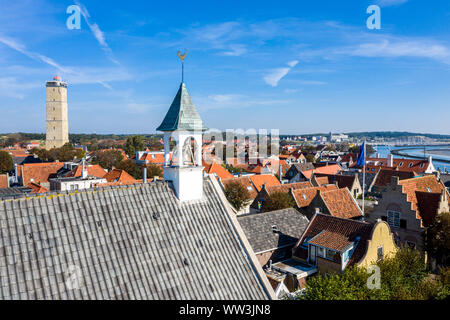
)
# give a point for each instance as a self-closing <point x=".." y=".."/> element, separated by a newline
<point x="258" y="228"/>
<point x="182" y="114"/>
<point x="14" y="192"/>
<point x="127" y="242"/>
<point x="304" y="166"/>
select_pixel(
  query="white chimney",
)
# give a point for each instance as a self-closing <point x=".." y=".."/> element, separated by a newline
<point x="144" y="174"/>
<point x="390" y="162"/>
<point x="84" y="172"/>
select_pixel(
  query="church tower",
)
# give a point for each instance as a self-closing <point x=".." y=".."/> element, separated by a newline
<point x="57" y="118"/>
<point x="183" y="125"/>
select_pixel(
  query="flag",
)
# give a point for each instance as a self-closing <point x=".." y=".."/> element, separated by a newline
<point x="362" y="155"/>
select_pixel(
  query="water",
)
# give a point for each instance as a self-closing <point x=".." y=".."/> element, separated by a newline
<point x="434" y="151"/>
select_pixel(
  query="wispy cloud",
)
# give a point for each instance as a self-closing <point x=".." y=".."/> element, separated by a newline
<point x="274" y="77"/>
<point x="234" y="101"/>
<point x="98" y="34"/>
<point x="75" y="75"/>
<point x="386" y="3"/>
<point x="17" y="46"/>
<point x="399" y="48"/>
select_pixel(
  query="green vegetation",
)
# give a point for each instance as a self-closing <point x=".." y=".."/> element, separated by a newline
<point x="6" y="162"/>
<point x="237" y="194"/>
<point x="403" y="277"/>
<point x="437" y="239"/>
<point x="131" y="168"/>
<point x="154" y="170"/>
<point x="66" y="153"/>
<point x="133" y="144"/>
<point x="277" y="201"/>
<point x="107" y="158"/>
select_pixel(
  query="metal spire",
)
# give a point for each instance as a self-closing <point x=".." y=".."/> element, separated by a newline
<point x="182" y="57"/>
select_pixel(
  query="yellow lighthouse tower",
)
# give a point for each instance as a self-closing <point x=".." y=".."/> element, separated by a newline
<point x="57" y="117"/>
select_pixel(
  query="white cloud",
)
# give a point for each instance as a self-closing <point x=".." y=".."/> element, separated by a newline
<point x="397" y="48"/>
<point x="15" y="88"/>
<point x="234" y="101"/>
<point x="98" y="34"/>
<point x="292" y="63"/>
<point x="274" y="77"/>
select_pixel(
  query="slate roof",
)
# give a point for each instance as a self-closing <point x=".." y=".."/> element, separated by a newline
<point x="182" y="114"/>
<point x="128" y="242"/>
<point x="14" y="192"/>
<point x="303" y="166"/>
<point x="258" y="228"/>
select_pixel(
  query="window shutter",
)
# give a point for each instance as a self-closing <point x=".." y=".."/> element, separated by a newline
<point x="403" y="223"/>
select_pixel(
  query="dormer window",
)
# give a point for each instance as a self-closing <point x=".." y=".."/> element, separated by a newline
<point x="422" y="165"/>
<point x="410" y="165"/>
<point x="275" y="229"/>
<point x="400" y="164"/>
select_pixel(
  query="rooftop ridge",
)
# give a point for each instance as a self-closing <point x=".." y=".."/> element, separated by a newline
<point x="55" y="194"/>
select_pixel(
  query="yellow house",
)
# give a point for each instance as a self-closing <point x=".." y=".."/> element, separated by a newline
<point x="332" y="244"/>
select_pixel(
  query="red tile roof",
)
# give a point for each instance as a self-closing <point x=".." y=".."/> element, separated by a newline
<point x="38" y="172"/>
<point x="417" y="189"/>
<point x="217" y="169"/>
<point x="337" y="233"/>
<point x="341" y="204"/>
<point x="94" y="170"/>
<point x="303" y="197"/>
<point x="4" y="183"/>
<point x="37" y="188"/>
<point x="343" y="181"/>
<point x="385" y="175"/>
<point x="245" y="181"/>
<point x="264" y="179"/>
<point x="119" y="176"/>
<point x="287" y="186"/>
<point x="155" y="158"/>
<point x="330" y="169"/>
<point x="411" y="165"/>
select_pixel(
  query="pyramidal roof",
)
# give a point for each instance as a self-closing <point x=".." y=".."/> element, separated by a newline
<point x="182" y="114"/>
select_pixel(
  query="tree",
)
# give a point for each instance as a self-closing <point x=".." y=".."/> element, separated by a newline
<point x="154" y="170"/>
<point x="237" y="194"/>
<point x="107" y="158"/>
<point x="310" y="158"/>
<point x="277" y="201"/>
<point x="403" y="277"/>
<point x="66" y="153"/>
<point x="437" y="239"/>
<point x="133" y="144"/>
<point x="131" y="168"/>
<point x="6" y="162"/>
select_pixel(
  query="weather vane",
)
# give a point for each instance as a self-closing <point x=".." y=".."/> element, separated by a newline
<point x="182" y="57"/>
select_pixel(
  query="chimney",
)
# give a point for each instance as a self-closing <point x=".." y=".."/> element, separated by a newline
<point x="390" y="161"/>
<point x="144" y="174"/>
<point x="84" y="172"/>
<point x="430" y="159"/>
<point x="16" y="173"/>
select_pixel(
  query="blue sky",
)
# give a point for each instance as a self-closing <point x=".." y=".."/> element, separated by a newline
<point x="298" y="66"/>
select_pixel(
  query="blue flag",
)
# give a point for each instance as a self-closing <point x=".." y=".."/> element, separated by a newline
<point x="362" y="155"/>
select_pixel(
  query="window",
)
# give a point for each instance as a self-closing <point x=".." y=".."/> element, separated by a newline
<point x="320" y="252"/>
<point x="393" y="218"/>
<point x="400" y="164"/>
<point x="249" y="188"/>
<point x="410" y="165"/>
<point x="304" y="196"/>
<point x="422" y="165"/>
<point x="330" y="254"/>
<point x="380" y="253"/>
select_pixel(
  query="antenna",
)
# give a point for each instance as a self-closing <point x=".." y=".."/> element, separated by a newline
<point x="182" y="57"/>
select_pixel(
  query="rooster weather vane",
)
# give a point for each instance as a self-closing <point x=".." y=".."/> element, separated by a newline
<point x="182" y="57"/>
